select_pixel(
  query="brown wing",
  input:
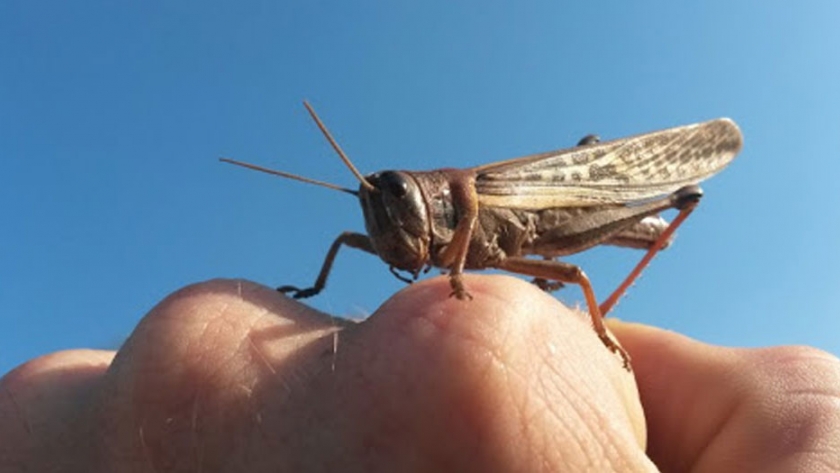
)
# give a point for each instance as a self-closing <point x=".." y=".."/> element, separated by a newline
<point x="619" y="171"/>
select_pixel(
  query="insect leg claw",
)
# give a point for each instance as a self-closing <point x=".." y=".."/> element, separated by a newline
<point x="297" y="293"/>
<point x="546" y="285"/>
<point x="615" y="348"/>
<point x="458" y="289"/>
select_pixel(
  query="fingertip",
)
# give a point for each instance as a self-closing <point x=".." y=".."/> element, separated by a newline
<point x="66" y="360"/>
<point x="200" y="362"/>
<point x="713" y="405"/>
<point x="45" y="395"/>
<point x="210" y="332"/>
<point x="206" y="323"/>
<point x="509" y="339"/>
<point x="661" y="355"/>
<point x="56" y="377"/>
<point x="496" y="300"/>
<point x="203" y="301"/>
<point x="506" y="315"/>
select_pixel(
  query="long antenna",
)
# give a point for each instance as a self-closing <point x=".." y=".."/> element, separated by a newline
<point x="289" y="176"/>
<point x="367" y="185"/>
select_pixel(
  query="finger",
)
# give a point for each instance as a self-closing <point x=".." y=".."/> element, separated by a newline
<point x="230" y="373"/>
<point x="41" y="404"/>
<point x="509" y="381"/>
<point x="188" y="388"/>
<point x="721" y="409"/>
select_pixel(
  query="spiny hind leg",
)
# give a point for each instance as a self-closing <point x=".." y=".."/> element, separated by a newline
<point x="569" y="273"/>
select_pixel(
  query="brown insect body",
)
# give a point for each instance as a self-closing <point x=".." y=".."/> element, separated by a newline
<point x="548" y="205"/>
<point x="411" y="220"/>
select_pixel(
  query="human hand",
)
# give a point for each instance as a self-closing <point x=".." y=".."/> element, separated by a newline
<point x="231" y="376"/>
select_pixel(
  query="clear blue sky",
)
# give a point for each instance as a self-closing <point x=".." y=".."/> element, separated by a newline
<point x="113" y="116"/>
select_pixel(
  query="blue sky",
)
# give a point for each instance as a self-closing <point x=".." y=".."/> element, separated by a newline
<point x="113" y="116"/>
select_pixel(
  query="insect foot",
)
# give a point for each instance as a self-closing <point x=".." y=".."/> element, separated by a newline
<point x="298" y="293"/>
<point x="458" y="289"/>
<point x="546" y="285"/>
<point x="615" y="348"/>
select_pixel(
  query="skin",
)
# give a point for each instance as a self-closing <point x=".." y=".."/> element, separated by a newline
<point x="231" y="376"/>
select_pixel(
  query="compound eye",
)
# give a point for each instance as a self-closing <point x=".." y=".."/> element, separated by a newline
<point x="393" y="183"/>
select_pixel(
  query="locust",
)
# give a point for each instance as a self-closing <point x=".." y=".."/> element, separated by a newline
<point x="522" y="214"/>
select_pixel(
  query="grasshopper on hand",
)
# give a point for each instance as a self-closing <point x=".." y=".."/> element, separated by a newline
<point x="547" y="205"/>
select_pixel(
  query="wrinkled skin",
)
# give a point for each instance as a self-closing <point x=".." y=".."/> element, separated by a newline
<point x="231" y="376"/>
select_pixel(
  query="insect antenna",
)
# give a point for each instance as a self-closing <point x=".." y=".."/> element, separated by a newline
<point x="289" y="176"/>
<point x="367" y="185"/>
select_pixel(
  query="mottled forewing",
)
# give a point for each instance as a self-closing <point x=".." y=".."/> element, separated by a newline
<point x="619" y="171"/>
